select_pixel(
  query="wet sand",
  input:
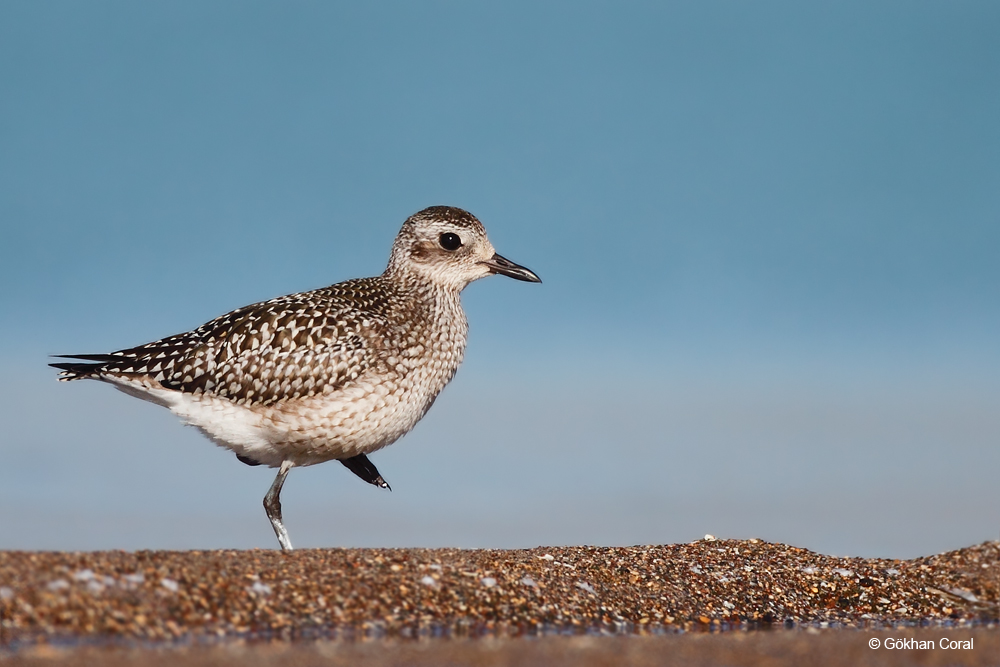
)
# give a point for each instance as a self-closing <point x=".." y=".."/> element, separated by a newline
<point x="494" y="605"/>
<point x="779" y="648"/>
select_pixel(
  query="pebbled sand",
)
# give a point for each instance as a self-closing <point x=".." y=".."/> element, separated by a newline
<point x="49" y="599"/>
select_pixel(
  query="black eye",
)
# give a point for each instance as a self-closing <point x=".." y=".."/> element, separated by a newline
<point x="450" y="241"/>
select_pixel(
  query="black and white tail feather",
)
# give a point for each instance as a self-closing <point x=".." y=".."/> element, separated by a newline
<point x="95" y="365"/>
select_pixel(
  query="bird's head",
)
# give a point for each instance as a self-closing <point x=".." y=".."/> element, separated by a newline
<point x="448" y="247"/>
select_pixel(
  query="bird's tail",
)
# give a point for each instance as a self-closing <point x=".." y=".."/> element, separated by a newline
<point x="90" y="366"/>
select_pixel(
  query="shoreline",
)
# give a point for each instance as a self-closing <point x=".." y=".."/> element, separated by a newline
<point x="163" y="597"/>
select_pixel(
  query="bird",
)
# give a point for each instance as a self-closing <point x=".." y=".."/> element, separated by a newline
<point x="334" y="373"/>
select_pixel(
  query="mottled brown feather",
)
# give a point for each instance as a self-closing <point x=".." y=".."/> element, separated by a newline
<point x="292" y="347"/>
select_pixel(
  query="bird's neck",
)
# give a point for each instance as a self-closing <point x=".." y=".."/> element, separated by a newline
<point x="441" y="302"/>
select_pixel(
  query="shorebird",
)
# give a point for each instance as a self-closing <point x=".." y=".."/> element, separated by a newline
<point x="332" y="374"/>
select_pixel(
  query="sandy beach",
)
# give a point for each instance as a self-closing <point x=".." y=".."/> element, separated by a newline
<point x="391" y="606"/>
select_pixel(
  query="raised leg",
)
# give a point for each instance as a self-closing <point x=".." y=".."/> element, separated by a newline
<point x="272" y="505"/>
<point x="366" y="470"/>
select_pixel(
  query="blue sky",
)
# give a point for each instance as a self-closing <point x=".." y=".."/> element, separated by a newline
<point x="768" y="234"/>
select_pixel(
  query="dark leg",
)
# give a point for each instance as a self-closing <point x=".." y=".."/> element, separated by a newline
<point x="366" y="470"/>
<point x="272" y="505"/>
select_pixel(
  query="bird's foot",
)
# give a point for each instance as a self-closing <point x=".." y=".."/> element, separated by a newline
<point x="366" y="470"/>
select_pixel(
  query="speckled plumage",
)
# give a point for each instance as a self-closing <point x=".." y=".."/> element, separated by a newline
<point x="334" y="373"/>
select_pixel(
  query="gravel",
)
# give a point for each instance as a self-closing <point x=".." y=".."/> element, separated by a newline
<point x="117" y="597"/>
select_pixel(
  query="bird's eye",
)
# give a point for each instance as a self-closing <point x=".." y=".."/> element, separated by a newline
<point x="450" y="241"/>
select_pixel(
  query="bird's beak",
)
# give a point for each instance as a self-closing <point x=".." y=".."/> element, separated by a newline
<point x="502" y="265"/>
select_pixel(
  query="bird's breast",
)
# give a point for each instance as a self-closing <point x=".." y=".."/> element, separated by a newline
<point x="377" y="408"/>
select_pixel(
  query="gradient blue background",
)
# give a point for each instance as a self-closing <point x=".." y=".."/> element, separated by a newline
<point x="768" y="232"/>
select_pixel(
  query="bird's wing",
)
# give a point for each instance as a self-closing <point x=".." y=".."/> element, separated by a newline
<point x="292" y="347"/>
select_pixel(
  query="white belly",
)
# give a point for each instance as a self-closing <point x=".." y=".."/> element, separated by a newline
<point x="356" y="420"/>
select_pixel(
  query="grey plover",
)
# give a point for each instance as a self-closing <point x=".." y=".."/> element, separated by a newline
<point x="332" y="374"/>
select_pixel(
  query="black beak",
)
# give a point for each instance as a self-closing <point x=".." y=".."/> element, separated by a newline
<point x="503" y="266"/>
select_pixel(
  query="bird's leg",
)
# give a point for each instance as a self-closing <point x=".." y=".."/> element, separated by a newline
<point x="366" y="470"/>
<point x="272" y="505"/>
